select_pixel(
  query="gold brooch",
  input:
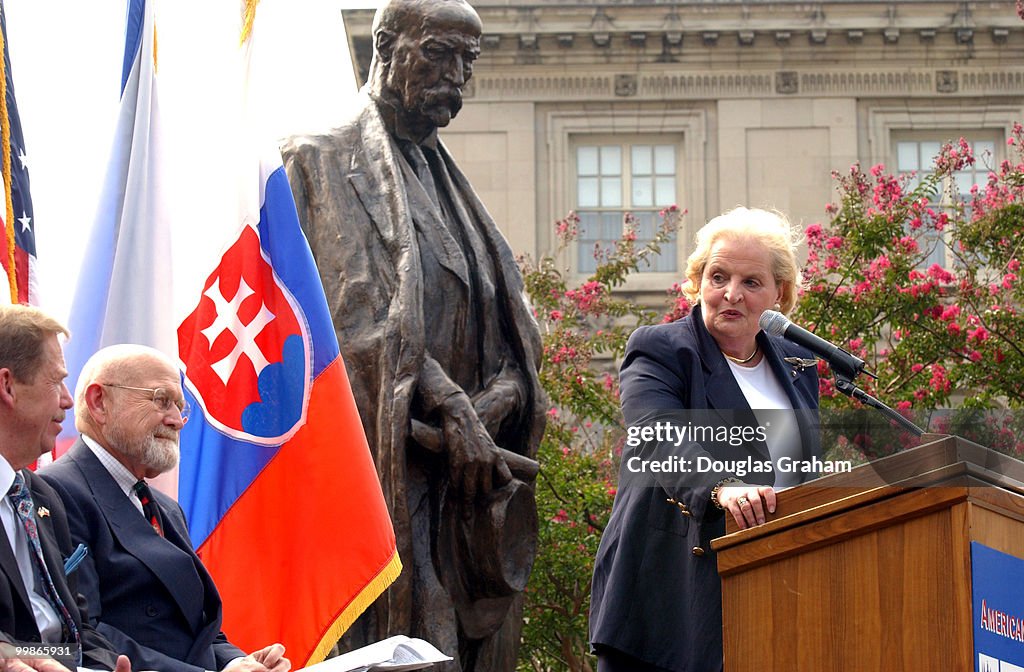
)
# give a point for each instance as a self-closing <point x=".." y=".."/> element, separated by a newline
<point x="43" y="512"/>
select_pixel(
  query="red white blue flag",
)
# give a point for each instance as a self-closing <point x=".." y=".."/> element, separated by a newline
<point x="276" y="478"/>
<point x="18" y="243"/>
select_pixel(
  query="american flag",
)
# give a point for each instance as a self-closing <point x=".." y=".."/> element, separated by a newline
<point x="18" y="244"/>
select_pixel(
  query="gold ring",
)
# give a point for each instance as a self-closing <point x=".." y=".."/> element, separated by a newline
<point x="743" y="500"/>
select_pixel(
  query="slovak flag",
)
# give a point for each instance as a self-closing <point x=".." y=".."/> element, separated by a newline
<point x="276" y="478"/>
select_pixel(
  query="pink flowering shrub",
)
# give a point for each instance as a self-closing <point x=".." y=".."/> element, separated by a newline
<point x="938" y="336"/>
<point x="581" y="322"/>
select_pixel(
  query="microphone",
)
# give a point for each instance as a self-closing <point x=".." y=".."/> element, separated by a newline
<point x="843" y="364"/>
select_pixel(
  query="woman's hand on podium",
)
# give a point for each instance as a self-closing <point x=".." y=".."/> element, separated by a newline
<point x="747" y="503"/>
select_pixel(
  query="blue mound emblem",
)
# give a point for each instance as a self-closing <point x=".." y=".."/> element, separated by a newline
<point x="281" y="388"/>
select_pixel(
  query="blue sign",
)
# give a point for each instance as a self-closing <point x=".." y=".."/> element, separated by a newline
<point x="998" y="610"/>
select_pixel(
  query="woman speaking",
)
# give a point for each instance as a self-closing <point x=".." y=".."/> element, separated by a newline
<point x="656" y="600"/>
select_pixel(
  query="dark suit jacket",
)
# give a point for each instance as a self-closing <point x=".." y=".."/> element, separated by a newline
<point x="653" y="598"/>
<point x="150" y="596"/>
<point x="17" y="623"/>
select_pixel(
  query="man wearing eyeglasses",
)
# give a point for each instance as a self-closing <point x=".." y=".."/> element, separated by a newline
<point x="147" y="590"/>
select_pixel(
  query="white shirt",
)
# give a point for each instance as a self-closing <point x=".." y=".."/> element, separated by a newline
<point x="766" y="397"/>
<point x="125" y="479"/>
<point x="50" y="626"/>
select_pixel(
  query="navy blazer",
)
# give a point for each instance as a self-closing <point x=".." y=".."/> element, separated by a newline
<point x="656" y="594"/>
<point x="150" y="595"/>
<point x="17" y="623"/>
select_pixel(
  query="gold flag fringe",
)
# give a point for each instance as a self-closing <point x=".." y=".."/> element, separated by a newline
<point x="248" y="16"/>
<point x="5" y="146"/>
<point x="358" y="605"/>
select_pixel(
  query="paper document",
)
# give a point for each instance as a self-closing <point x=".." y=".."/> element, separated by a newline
<point x="393" y="654"/>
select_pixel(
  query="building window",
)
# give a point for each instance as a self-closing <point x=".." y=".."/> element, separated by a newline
<point x="613" y="178"/>
<point x="916" y="154"/>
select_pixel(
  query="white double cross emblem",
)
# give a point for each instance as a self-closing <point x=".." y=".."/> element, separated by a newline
<point x="245" y="334"/>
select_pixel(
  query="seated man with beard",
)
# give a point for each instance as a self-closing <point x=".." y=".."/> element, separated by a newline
<point x="147" y="591"/>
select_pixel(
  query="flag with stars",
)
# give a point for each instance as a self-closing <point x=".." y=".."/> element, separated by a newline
<point x="18" y="248"/>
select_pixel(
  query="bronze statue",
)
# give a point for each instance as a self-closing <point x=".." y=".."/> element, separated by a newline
<point x="441" y="347"/>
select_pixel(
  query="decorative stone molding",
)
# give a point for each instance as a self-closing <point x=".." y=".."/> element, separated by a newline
<point x="693" y="85"/>
<point x="986" y="81"/>
<point x="540" y="87"/>
<point x="792" y="34"/>
<point x="883" y="121"/>
<point x="947" y="81"/>
<point x="713" y="4"/>
<point x="787" y="82"/>
<point x="866" y="83"/>
<point x="698" y="85"/>
<point x="691" y="124"/>
<point x="625" y="85"/>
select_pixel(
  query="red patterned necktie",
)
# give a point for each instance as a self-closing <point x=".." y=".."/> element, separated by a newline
<point x="149" y="507"/>
<point x="21" y="498"/>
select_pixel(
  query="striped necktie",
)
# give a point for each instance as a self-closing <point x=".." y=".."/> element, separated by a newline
<point x="21" y="499"/>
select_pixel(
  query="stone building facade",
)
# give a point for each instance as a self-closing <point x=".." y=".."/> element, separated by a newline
<point x="608" y="106"/>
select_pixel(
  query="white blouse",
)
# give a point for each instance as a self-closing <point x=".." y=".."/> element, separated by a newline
<point x="766" y="398"/>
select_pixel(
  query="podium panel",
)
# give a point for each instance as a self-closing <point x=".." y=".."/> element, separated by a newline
<point x="871" y="570"/>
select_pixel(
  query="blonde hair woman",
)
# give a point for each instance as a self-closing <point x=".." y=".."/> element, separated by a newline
<point x="656" y="602"/>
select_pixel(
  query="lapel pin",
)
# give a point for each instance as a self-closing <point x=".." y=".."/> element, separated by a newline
<point x="43" y="512"/>
<point x="799" y="364"/>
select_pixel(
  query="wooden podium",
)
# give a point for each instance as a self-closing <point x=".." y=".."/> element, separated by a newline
<point x="871" y="569"/>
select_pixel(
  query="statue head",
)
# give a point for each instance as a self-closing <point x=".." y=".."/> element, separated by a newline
<point x="423" y="54"/>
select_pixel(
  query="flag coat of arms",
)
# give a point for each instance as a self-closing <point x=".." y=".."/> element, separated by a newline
<point x="276" y="478"/>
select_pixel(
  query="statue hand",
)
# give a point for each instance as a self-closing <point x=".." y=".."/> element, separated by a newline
<point x="500" y="400"/>
<point x="473" y="459"/>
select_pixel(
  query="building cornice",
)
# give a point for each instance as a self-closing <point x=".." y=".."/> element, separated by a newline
<point x="653" y="85"/>
<point x="839" y="38"/>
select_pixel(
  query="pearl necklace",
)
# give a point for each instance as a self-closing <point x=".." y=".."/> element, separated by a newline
<point x="737" y="360"/>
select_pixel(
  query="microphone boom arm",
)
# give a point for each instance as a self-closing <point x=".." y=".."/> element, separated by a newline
<point x="847" y="387"/>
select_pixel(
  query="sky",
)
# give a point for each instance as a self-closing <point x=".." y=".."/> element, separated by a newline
<point x="66" y="60"/>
